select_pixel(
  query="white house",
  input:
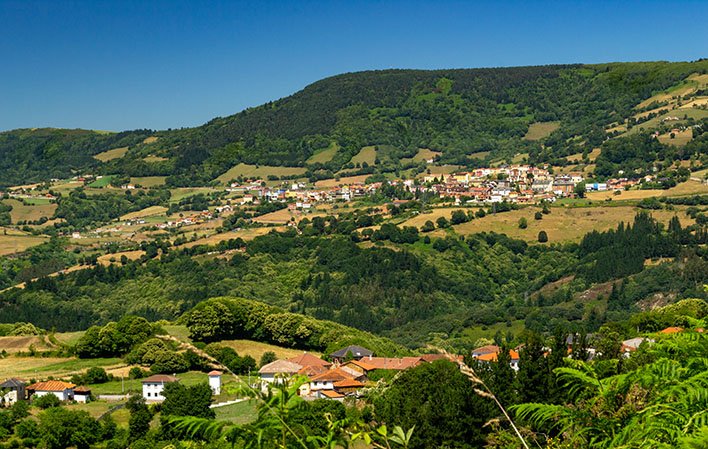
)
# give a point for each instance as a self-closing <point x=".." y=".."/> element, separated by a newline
<point x="14" y="391"/>
<point x="62" y="390"/>
<point x="82" y="394"/>
<point x="278" y="370"/>
<point x="154" y="385"/>
<point x="215" y="382"/>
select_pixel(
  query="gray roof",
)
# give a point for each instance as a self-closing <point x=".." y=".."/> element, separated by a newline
<point x="12" y="383"/>
<point x="357" y="352"/>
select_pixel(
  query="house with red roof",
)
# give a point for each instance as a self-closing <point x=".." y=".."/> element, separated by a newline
<point x="62" y="390"/>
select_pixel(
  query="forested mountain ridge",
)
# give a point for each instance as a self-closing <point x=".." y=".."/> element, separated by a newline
<point x="459" y="112"/>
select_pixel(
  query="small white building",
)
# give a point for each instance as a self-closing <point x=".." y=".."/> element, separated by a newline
<point x="215" y="382"/>
<point x="278" y="371"/>
<point x="154" y="385"/>
<point x="14" y="391"/>
<point x="82" y="394"/>
<point x="62" y="390"/>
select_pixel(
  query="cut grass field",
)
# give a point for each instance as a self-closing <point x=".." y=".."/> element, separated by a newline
<point x="680" y="139"/>
<point x="21" y="212"/>
<point x="23" y="343"/>
<point x="541" y="130"/>
<point x="689" y="187"/>
<point x="562" y="224"/>
<point x="147" y="212"/>
<point x="105" y="259"/>
<point x="423" y="155"/>
<point x="13" y="243"/>
<point x="479" y="155"/>
<point x="579" y="156"/>
<point x="180" y="193"/>
<point x="245" y="234"/>
<point x="325" y="155"/>
<point x="152" y="158"/>
<point x="149" y="140"/>
<point x="256" y="349"/>
<point x="261" y="171"/>
<point x="44" y="367"/>
<point x="366" y="154"/>
<point x="696" y="114"/>
<point x="109" y="155"/>
<point x="149" y="181"/>
<point x="344" y="180"/>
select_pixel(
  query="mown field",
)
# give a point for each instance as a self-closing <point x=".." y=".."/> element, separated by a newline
<point x="16" y="242"/>
<point x="22" y="212"/>
<point x="324" y="156"/>
<point x="562" y="224"/>
<point x="257" y="349"/>
<point x="366" y="154"/>
<point x="540" y="130"/>
<point x="255" y="171"/>
<point x="422" y="155"/>
<point x="149" y="181"/>
<point x="111" y="154"/>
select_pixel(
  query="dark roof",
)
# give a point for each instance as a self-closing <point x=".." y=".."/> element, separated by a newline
<point x="82" y="390"/>
<point x="12" y="383"/>
<point x="357" y="351"/>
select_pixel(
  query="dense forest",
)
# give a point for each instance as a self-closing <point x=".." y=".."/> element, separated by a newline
<point x="459" y="112"/>
<point x="405" y="286"/>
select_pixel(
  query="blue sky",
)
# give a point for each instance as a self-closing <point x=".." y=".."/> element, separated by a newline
<point x="167" y="64"/>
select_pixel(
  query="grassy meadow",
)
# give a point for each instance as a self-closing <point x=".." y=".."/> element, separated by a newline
<point x="541" y="130"/>
<point x="109" y="155"/>
<point x="259" y="171"/>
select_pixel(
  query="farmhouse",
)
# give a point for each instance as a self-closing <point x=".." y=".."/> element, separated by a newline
<point x="82" y="394"/>
<point x="62" y="390"/>
<point x="154" y="385"/>
<point x="14" y="391"/>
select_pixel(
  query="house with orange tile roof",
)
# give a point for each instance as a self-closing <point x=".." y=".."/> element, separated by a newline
<point x="307" y="359"/>
<point x="492" y="357"/>
<point x="671" y="330"/>
<point x="62" y="390"/>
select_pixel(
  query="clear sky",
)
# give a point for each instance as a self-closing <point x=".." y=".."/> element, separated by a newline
<point x="115" y="65"/>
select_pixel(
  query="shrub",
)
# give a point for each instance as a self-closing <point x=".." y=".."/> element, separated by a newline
<point x="46" y="401"/>
<point x="542" y="237"/>
<point x="538" y="215"/>
<point x="523" y="223"/>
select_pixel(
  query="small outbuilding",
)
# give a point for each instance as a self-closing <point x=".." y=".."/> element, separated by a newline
<point x="11" y="391"/>
<point x="154" y="385"/>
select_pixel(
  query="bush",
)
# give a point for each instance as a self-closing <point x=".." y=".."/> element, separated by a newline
<point x="523" y="223"/>
<point x="428" y="226"/>
<point x="136" y="373"/>
<point x="542" y="237"/>
<point x="46" y="401"/>
<point x="538" y="215"/>
<point x="267" y="357"/>
<point x="95" y="375"/>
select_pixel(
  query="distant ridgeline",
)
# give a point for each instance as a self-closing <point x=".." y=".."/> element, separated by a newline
<point x="459" y="112"/>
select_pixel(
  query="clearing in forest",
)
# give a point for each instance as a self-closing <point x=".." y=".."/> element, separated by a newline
<point x="115" y="153"/>
<point x="325" y="155"/>
<point x="366" y="154"/>
<point x="541" y="130"/>
<point x="259" y="171"/>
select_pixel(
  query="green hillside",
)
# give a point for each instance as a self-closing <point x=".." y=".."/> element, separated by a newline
<point x="458" y="112"/>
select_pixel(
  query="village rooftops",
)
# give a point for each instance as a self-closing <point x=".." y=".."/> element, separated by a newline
<point x="356" y="351"/>
<point x="348" y="383"/>
<point x="51" y="385"/>
<point x="492" y="356"/>
<point x="280" y="367"/>
<point x="335" y="375"/>
<point x="489" y="349"/>
<point x="160" y="378"/>
<point x="331" y="394"/>
<point x="306" y="359"/>
<point x="214" y="373"/>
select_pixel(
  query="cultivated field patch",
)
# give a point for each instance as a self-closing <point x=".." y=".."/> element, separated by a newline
<point x="259" y="171"/>
<point x="366" y="154"/>
<point x="325" y="155"/>
<point x="115" y="153"/>
<point x="22" y="212"/>
<point x="541" y="130"/>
